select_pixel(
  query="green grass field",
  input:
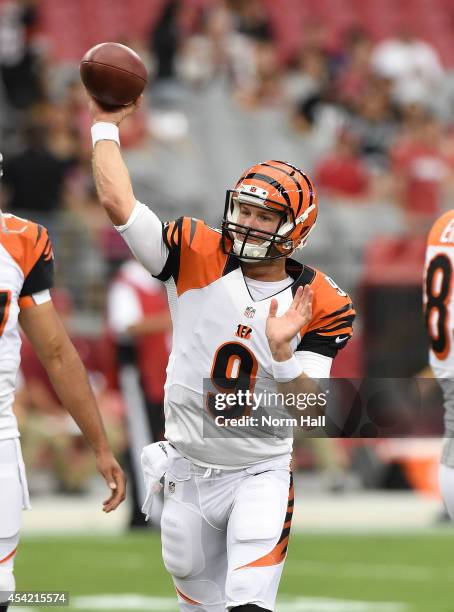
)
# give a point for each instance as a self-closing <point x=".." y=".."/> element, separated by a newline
<point x="322" y="571"/>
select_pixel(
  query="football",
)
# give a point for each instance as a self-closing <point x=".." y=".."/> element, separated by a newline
<point x="113" y="74"/>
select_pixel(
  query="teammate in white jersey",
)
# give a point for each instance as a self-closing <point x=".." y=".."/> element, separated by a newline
<point x="26" y="275"/>
<point x="439" y="310"/>
<point x="244" y="316"/>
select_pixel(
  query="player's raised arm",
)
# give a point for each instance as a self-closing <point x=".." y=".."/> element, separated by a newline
<point x="139" y="226"/>
<point x="111" y="176"/>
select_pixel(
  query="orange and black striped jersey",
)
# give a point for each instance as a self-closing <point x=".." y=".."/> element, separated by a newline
<point x="438" y="298"/>
<point x="26" y="269"/>
<point x="439" y="306"/>
<point x="219" y="338"/>
<point x="196" y="260"/>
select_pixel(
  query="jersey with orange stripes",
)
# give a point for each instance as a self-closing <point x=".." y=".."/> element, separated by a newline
<point x="219" y="337"/>
<point x="439" y="306"/>
<point x="26" y="275"/>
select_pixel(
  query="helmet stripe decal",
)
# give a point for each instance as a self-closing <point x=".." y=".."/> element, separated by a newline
<point x="300" y="190"/>
<point x="272" y="182"/>
<point x="309" y="184"/>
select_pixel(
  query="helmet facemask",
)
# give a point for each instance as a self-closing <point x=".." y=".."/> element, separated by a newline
<point x="274" y="244"/>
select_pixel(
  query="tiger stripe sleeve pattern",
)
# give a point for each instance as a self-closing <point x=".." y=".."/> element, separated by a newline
<point x="40" y="268"/>
<point x="331" y="326"/>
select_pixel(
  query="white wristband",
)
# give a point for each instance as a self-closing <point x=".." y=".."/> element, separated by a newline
<point x="285" y="371"/>
<point x="105" y="131"/>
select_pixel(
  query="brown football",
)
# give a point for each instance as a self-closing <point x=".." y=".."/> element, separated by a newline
<point x="113" y="74"/>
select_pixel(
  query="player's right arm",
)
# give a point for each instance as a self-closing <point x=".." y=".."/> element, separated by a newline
<point x="139" y="226"/>
<point x="112" y="179"/>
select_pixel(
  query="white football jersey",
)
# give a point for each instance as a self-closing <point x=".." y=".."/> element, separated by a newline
<point x="26" y="269"/>
<point x="219" y="341"/>
<point x="439" y="306"/>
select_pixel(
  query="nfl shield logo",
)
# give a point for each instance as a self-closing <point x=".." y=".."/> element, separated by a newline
<point x="249" y="312"/>
<point x="171" y="487"/>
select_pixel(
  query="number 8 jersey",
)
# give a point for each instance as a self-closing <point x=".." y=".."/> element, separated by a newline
<point x="439" y="307"/>
<point x="26" y="275"/>
<point x="438" y="298"/>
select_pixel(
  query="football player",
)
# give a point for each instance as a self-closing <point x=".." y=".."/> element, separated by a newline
<point x="26" y="274"/>
<point x="439" y="313"/>
<point x="243" y="312"/>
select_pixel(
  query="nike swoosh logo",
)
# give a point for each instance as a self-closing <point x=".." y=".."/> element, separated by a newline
<point x="340" y="339"/>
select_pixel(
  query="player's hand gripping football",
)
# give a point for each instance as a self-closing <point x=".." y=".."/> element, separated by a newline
<point x="112" y="473"/>
<point x="281" y="330"/>
<point x="116" y="115"/>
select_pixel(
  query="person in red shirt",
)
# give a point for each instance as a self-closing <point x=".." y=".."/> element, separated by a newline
<point x="139" y="324"/>
<point x="421" y="170"/>
<point x="342" y="174"/>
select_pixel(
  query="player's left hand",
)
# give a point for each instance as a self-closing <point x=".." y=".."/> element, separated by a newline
<point x="281" y="330"/>
<point x="112" y="473"/>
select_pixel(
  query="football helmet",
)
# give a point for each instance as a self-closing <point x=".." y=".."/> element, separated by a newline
<point x="280" y="188"/>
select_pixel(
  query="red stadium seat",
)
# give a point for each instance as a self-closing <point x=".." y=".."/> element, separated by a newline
<point x="72" y="27"/>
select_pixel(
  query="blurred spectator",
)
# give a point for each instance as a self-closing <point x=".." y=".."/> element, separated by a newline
<point x="374" y="124"/>
<point x="309" y="89"/>
<point x="411" y="64"/>
<point x="35" y="177"/>
<point x="82" y="266"/>
<point x="204" y="54"/>
<point x="264" y="86"/>
<point x="252" y="55"/>
<point x="353" y="76"/>
<point x="164" y="41"/>
<point x="139" y="323"/>
<point x="20" y="68"/>
<point x="342" y="173"/>
<point x="62" y="137"/>
<point x="251" y="20"/>
<point x="233" y="39"/>
<point x="421" y="169"/>
<point x="309" y="78"/>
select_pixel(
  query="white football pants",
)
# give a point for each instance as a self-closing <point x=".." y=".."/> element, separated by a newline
<point x="225" y="533"/>
<point x="13" y="498"/>
<point x="446" y="477"/>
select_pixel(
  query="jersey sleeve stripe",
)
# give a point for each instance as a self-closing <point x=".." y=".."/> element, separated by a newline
<point x="26" y="301"/>
<point x="38" y="234"/>
<point x="338" y="331"/>
<point x="171" y="234"/>
<point x="192" y="230"/>
<point x="47" y="252"/>
<point x="338" y="323"/>
<point x="338" y="312"/>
